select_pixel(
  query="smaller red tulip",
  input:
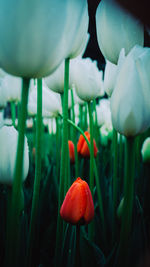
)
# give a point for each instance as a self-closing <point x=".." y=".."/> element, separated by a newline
<point x="71" y="151"/>
<point x="78" y="207"/>
<point x="82" y="146"/>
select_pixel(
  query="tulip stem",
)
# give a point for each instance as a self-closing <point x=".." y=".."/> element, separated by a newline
<point x="63" y="165"/>
<point x="74" y="137"/>
<point x="128" y="201"/>
<point x="77" y="255"/>
<point x="85" y="118"/>
<point x="13" y="112"/>
<point x="81" y="116"/>
<point x="95" y="123"/>
<point x="115" y="180"/>
<point x="98" y="188"/>
<point x="13" y="231"/>
<point x="91" y="183"/>
<point x="36" y="188"/>
<point x="57" y="148"/>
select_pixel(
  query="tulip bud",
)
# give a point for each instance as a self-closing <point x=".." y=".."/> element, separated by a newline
<point x="89" y="87"/>
<point x="82" y="146"/>
<point x="55" y="81"/>
<point x="116" y="29"/>
<point x="78" y="207"/>
<point x="129" y="103"/>
<point x="146" y="150"/>
<point x="51" y="103"/>
<point x="71" y="151"/>
<point x="8" y="145"/>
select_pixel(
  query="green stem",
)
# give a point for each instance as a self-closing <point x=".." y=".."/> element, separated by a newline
<point x="57" y="148"/>
<point x="96" y="130"/>
<point x="13" y="231"/>
<point x="77" y="255"/>
<point x="13" y="112"/>
<point x="91" y="183"/>
<point x="85" y="127"/>
<point x="100" y="202"/>
<point x="121" y="155"/>
<point x="115" y="180"/>
<point x="91" y="149"/>
<point x="74" y="136"/>
<point x="63" y="178"/>
<point x="36" y="189"/>
<point x="128" y="201"/>
<point x="81" y="116"/>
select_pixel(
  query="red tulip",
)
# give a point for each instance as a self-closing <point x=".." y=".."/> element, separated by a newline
<point x="71" y="151"/>
<point x="78" y="207"/>
<point x="82" y="146"/>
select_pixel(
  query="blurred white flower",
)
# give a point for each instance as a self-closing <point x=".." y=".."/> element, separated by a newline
<point x="111" y="72"/>
<point x="55" y="81"/>
<point x="8" y="145"/>
<point x="86" y="77"/>
<point x="51" y="103"/>
<point x="116" y="29"/>
<point x="2" y="73"/>
<point x="1" y="118"/>
<point x="106" y="134"/>
<point x="130" y="105"/>
<point x="145" y="150"/>
<point x="12" y="88"/>
<point x="103" y="112"/>
<point x="3" y="101"/>
<point x="52" y="126"/>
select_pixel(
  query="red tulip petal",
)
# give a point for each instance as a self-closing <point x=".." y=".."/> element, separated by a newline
<point x="71" y="151"/>
<point x="89" y="212"/>
<point x="74" y="205"/>
<point x="85" y="152"/>
<point x="80" y="143"/>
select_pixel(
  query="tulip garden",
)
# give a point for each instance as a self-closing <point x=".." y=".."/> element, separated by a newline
<point x="74" y="136"/>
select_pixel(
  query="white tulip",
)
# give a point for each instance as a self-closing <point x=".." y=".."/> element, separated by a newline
<point x="109" y="77"/>
<point x="1" y="118"/>
<point x="130" y="105"/>
<point x="3" y="100"/>
<point x="51" y="103"/>
<point x="81" y="36"/>
<point x="116" y="29"/>
<point x="103" y="112"/>
<point x="55" y="81"/>
<point x="32" y="36"/>
<point x="8" y="145"/>
<point x="86" y="77"/>
<point x="12" y="89"/>
<point x="2" y="73"/>
<point x="111" y="72"/>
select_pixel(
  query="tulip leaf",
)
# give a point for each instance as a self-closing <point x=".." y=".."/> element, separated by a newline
<point x="91" y="255"/>
<point x="68" y="250"/>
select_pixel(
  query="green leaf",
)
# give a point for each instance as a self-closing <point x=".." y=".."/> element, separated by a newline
<point x="91" y="255"/>
<point x="68" y="249"/>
